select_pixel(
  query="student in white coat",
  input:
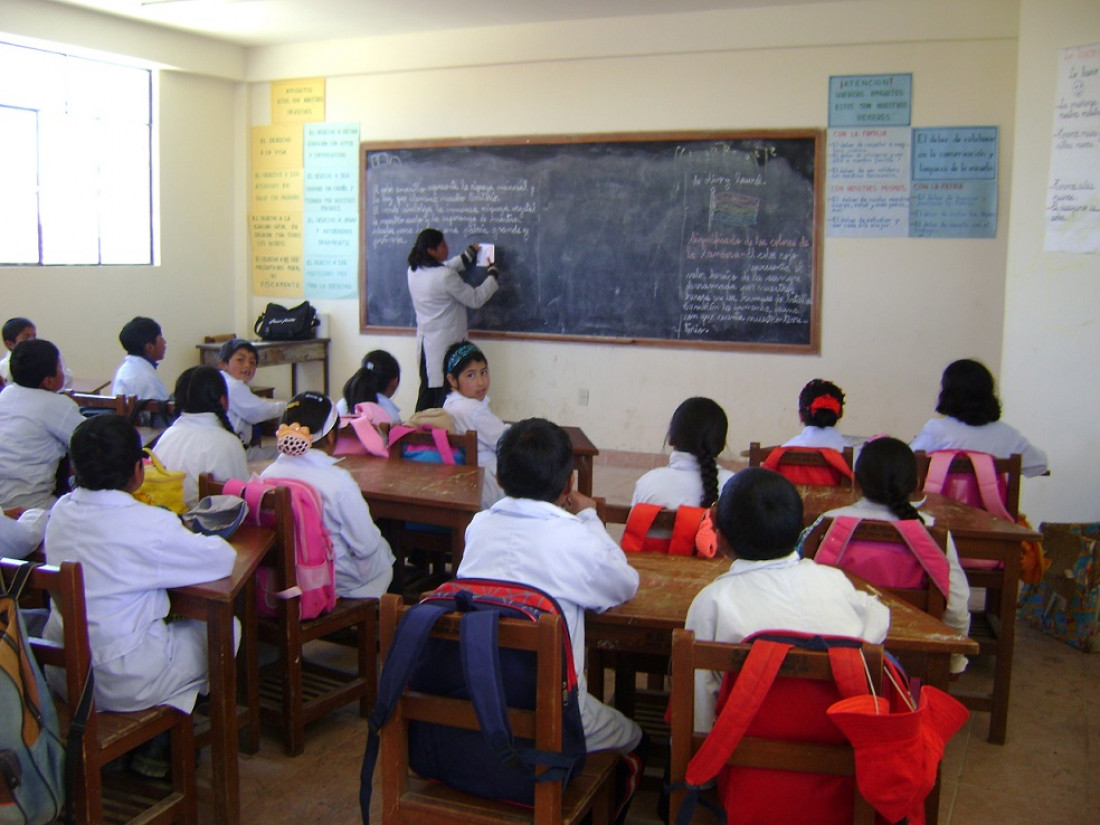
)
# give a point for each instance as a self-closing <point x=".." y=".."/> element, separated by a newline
<point x="35" y="426"/>
<point x="137" y="374"/>
<point x="15" y="331"/>
<point x="467" y="372"/>
<point x="697" y="435"/>
<point x="364" y="561"/>
<point x="201" y="439"/>
<point x="547" y="535"/>
<point x="19" y="537"/>
<point x="886" y="472"/>
<point x="440" y="297"/>
<point x="376" y="380"/>
<point x="238" y="360"/>
<point x="973" y="419"/>
<point x="131" y="554"/>
<point x="820" y="407"/>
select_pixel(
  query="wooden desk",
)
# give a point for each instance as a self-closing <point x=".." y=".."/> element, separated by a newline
<point x="275" y="353"/>
<point x="583" y="453"/>
<point x="977" y="535"/>
<point x="90" y="386"/>
<point x="213" y="603"/>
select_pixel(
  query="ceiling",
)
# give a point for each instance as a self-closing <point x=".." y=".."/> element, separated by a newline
<point x="273" y="22"/>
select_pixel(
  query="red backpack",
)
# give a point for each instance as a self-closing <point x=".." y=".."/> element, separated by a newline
<point x="636" y="537"/>
<point x="836" y="473"/>
<point x="314" y="564"/>
<point x="909" y="565"/>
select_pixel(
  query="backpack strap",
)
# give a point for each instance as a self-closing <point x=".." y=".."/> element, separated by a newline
<point x="684" y="530"/>
<point x="637" y="527"/>
<point x="438" y="434"/>
<point x="640" y="520"/>
<point x="834" y="459"/>
<point x="989" y="486"/>
<point x="251" y="491"/>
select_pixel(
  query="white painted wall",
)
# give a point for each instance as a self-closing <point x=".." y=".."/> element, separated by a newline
<point x="1051" y="375"/>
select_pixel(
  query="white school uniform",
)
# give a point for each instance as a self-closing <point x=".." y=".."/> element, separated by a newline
<point x="440" y="298"/>
<point x="677" y="484"/>
<point x="574" y="560"/>
<point x="197" y="443"/>
<point x="364" y="561"/>
<point x="996" y="438"/>
<point x="247" y="409"/>
<point x="471" y="414"/>
<point x="955" y="613"/>
<point x="137" y="376"/>
<point x="787" y="593"/>
<point x="392" y="410"/>
<point x="35" y="427"/>
<point x="19" y="537"/>
<point x="131" y="553"/>
<point x="821" y="437"/>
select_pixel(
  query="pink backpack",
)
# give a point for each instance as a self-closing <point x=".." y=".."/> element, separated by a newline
<point x="887" y="565"/>
<point x="314" y="566"/>
<point x="359" y="433"/>
<point x="984" y="489"/>
<point x="420" y="452"/>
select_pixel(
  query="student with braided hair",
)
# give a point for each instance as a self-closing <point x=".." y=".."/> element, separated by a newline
<point x="697" y="435"/>
<point x="820" y="407"/>
<point x="202" y="440"/>
<point x="886" y="472"/>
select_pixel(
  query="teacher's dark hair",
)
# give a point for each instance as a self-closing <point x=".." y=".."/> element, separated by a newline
<point x="427" y="239"/>
<point x="966" y="393"/>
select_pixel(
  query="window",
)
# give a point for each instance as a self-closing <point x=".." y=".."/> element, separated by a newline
<point x="75" y="160"/>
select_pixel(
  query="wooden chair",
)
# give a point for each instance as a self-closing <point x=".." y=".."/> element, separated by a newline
<point x="1010" y="469"/>
<point x="429" y="547"/>
<point x="801" y="461"/>
<point x="296" y="691"/>
<point x="91" y="404"/>
<point x="410" y="800"/>
<point x="99" y="797"/>
<point x="927" y="598"/>
<point x="689" y="656"/>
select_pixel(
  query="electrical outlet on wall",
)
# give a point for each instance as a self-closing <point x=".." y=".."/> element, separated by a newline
<point x="582" y="398"/>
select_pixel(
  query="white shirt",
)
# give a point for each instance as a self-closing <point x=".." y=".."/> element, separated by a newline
<point x="35" y="427"/>
<point x="197" y="443"/>
<point x="131" y="553"/>
<point x="570" y="557"/>
<point x="246" y="408"/>
<point x="956" y="613"/>
<point x="440" y="298"/>
<point x="677" y="484"/>
<point x="787" y="593"/>
<point x="19" y="537"/>
<point x="364" y="561"/>
<point x="392" y="410"/>
<point x="471" y="414"/>
<point x="137" y="376"/>
<point x="826" y="437"/>
<point x="995" y="438"/>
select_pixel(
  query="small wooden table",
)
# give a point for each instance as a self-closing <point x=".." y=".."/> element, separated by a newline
<point x="275" y="353"/>
<point x="213" y="602"/>
<point x="583" y="453"/>
<point x="978" y="535"/>
<point x="447" y="495"/>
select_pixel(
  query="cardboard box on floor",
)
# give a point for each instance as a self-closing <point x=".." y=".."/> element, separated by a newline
<point x="1066" y="604"/>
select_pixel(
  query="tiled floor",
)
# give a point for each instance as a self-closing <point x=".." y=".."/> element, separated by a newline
<point x="1048" y="773"/>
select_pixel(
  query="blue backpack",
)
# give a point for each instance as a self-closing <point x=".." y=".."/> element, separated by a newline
<point x="487" y="762"/>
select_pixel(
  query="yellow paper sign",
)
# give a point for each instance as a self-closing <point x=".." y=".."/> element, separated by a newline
<point x="276" y="254"/>
<point x="298" y="101"/>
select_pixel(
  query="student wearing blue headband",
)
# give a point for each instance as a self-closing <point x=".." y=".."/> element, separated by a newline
<point x="467" y="372"/>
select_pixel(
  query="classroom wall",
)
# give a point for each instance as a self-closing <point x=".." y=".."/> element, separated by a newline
<point x="1050" y="382"/>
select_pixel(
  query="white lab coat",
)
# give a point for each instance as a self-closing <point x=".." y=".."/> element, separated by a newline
<point x="574" y="560"/>
<point x="440" y="298"/>
<point x="247" y="409"/>
<point x="822" y="437"/>
<point x="471" y="414"/>
<point x="137" y="376"/>
<point x="677" y="484"/>
<point x="364" y="561"/>
<point x="19" y="537"/>
<point x="131" y="553"/>
<point x="996" y="438"/>
<point x="197" y="443"/>
<point x="35" y="428"/>
<point x="787" y="593"/>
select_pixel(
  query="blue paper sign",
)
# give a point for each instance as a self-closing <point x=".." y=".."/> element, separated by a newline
<point x="870" y="100"/>
<point x="955" y="153"/>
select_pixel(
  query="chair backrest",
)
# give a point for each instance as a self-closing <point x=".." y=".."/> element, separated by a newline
<point x="964" y="484"/>
<point x="653" y="529"/>
<point x="92" y="403"/>
<point x="878" y="552"/>
<point x="775" y="772"/>
<point x="806" y="465"/>
<point x="466" y="442"/>
<point x="543" y="723"/>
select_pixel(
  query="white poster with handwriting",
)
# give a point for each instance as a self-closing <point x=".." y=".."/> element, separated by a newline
<point x="868" y="183"/>
<point x="1073" y="197"/>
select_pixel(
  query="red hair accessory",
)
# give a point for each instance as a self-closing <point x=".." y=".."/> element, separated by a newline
<point x="825" y="402"/>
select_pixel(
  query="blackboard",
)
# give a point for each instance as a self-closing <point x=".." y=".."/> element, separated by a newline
<point x="695" y="239"/>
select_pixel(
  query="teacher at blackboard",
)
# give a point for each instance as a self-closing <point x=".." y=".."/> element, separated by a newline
<point x="440" y="297"/>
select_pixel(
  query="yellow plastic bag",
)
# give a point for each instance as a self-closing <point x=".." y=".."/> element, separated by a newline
<point x="162" y="487"/>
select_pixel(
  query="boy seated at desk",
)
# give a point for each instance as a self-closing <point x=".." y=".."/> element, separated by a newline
<point x="137" y="374"/>
<point x="16" y="331"/>
<point x="238" y="360"/>
<point x="546" y="535"/>
<point x="758" y="518"/>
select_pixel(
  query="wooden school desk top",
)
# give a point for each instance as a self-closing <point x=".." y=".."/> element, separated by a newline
<point x="416" y="483"/>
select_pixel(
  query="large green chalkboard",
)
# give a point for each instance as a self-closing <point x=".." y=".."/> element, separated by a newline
<point x="697" y="239"/>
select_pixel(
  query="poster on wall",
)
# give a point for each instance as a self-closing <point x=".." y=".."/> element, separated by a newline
<point x="1073" y="194"/>
<point x="954" y="190"/>
<point x="867" y="183"/>
<point x="331" y="210"/>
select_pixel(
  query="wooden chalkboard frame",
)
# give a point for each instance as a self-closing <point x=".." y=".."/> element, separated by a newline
<point x="817" y="136"/>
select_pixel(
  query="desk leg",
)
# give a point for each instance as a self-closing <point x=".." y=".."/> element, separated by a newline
<point x="1006" y="644"/>
<point x="223" y="714"/>
<point x="250" y="665"/>
<point x="294" y="380"/>
<point x="583" y="465"/>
